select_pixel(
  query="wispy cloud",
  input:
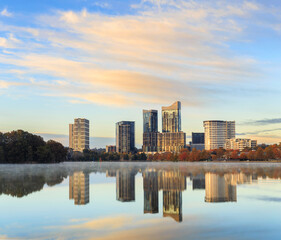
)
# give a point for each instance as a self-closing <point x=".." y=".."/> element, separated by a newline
<point x="6" y="84"/>
<point x="150" y="56"/>
<point x="259" y="132"/>
<point x="102" y="4"/>
<point x="263" y="122"/>
<point x="6" y="13"/>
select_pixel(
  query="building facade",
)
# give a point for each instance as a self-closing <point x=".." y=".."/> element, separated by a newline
<point x="150" y="129"/>
<point x="150" y="121"/>
<point x="79" y="137"/>
<point x="171" y="118"/>
<point x="240" y="144"/>
<point x="171" y="142"/>
<point x="198" y="141"/>
<point x="216" y="133"/>
<point x="110" y="148"/>
<point x="125" y="137"/>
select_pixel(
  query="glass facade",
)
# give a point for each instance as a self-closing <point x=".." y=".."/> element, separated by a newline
<point x="171" y="118"/>
<point x="198" y="138"/>
<point x="150" y="121"/>
<point x="125" y="137"/>
<point x="150" y="129"/>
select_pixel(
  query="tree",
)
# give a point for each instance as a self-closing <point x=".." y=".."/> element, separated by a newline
<point x="23" y="147"/>
<point x="269" y="154"/>
<point x="251" y="155"/>
<point x="243" y="156"/>
<point x="259" y="154"/>
<point x="234" y="155"/>
<point x="2" y="155"/>
<point x="205" y="155"/>
<point x="184" y="155"/>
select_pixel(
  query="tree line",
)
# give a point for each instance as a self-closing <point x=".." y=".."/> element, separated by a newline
<point x="23" y="147"/>
<point x="263" y="153"/>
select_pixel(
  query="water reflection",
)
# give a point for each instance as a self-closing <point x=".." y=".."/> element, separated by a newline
<point x="79" y="185"/>
<point x="219" y="183"/>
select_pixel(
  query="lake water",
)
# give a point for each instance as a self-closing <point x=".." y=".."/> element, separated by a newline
<point x="141" y="201"/>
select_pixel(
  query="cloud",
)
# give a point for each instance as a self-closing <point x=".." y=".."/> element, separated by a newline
<point x="150" y="56"/>
<point x="259" y="131"/>
<point x="6" y="13"/>
<point x="7" y="84"/>
<point x="263" y="122"/>
<point x="102" y="4"/>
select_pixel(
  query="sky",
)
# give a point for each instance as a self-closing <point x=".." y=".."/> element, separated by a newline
<point x="108" y="60"/>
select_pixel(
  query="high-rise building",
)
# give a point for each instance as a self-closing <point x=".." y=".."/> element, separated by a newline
<point x="110" y="148"/>
<point x="79" y="188"/>
<point x="150" y="129"/>
<point x="198" y="141"/>
<point x="79" y="135"/>
<point x="125" y="137"/>
<point x="150" y="121"/>
<point x="171" y="118"/>
<point x="216" y="133"/>
<point x="198" y="138"/>
<point x="172" y="139"/>
<point x="240" y="144"/>
<point x="171" y="142"/>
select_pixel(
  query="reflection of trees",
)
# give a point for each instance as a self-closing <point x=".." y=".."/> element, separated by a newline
<point x="21" y="186"/>
<point x="27" y="180"/>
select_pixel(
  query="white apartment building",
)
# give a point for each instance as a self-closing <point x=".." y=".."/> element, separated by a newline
<point x="216" y="133"/>
<point x="79" y="135"/>
<point x="240" y="144"/>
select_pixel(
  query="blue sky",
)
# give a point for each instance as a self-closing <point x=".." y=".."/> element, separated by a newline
<point x="108" y="60"/>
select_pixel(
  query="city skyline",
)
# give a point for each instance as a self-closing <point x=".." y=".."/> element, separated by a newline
<point x="106" y="61"/>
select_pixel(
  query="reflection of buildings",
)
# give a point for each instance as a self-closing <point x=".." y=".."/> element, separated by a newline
<point x="150" y="188"/>
<point x="110" y="173"/>
<point x="220" y="188"/>
<point x="172" y="183"/>
<point x="198" y="182"/>
<point x="79" y="188"/>
<point x="125" y="186"/>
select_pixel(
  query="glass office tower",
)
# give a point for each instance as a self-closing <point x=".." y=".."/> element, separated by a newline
<point x="125" y="137"/>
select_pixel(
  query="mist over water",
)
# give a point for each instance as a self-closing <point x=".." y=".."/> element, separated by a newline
<point x="141" y="201"/>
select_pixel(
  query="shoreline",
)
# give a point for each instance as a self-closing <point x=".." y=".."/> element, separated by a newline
<point x="215" y="161"/>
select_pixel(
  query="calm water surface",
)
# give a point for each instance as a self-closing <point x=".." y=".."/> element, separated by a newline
<point x="140" y="201"/>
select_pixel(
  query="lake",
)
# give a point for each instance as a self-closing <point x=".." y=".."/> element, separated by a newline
<point x="141" y="201"/>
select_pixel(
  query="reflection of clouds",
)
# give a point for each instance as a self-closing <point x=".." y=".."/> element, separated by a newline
<point x="269" y="199"/>
<point x="122" y="227"/>
<point x="103" y="223"/>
